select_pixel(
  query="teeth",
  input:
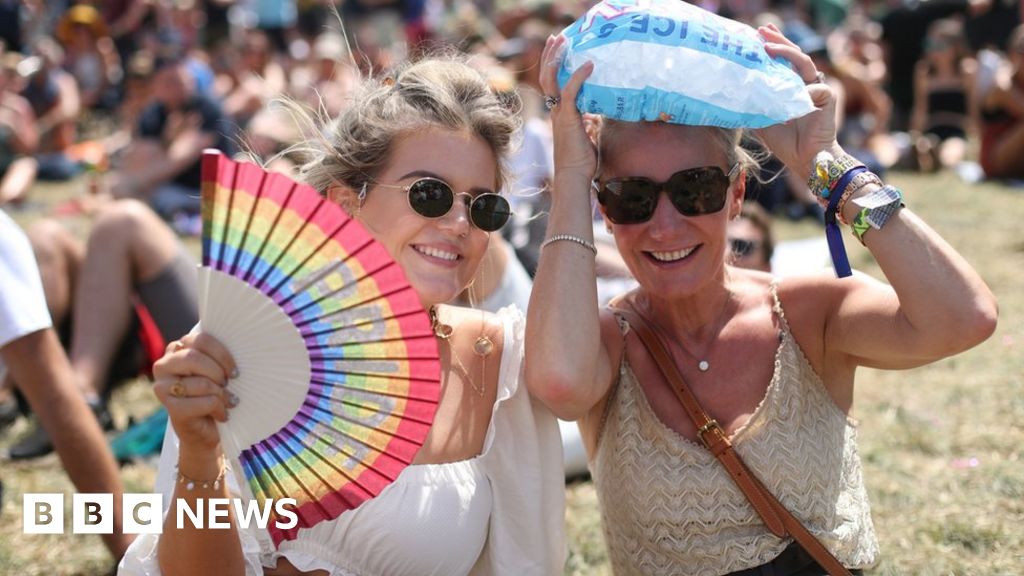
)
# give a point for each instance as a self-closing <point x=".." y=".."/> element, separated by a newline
<point x="671" y="256"/>
<point x="437" y="253"/>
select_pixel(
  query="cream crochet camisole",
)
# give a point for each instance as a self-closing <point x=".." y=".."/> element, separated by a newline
<point x="668" y="507"/>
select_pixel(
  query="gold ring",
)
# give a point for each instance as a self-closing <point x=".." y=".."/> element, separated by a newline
<point x="178" y="389"/>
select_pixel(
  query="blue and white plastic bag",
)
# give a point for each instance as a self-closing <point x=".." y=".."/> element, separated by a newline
<point x="675" y="62"/>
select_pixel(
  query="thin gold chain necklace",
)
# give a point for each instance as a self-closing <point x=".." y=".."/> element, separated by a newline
<point x="483" y="347"/>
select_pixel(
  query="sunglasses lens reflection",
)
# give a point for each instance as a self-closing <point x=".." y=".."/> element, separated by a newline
<point x="431" y="198"/>
<point x="693" y="192"/>
<point x="434" y="198"/>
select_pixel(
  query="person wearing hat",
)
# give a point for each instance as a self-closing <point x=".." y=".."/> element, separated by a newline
<point x="90" y="54"/>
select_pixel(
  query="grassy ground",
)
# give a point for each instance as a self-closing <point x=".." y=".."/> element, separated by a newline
<point x="941" y="444"/>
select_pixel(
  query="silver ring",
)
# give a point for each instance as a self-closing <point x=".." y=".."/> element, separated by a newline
<point x="551" y="101"/>
<point x="818" y="79"/>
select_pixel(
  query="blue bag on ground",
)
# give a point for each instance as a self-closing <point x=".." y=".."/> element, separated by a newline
<point x="675" y="62"/>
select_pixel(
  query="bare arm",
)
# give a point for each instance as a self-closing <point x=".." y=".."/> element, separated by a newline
<point x="40" y="368"/>
<point x="937" y="305"/>
<point x="567" y="366"/>
<point x="200" y="366"/>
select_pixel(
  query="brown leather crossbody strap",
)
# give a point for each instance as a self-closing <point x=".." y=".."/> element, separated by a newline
<point x="775" y="516"/>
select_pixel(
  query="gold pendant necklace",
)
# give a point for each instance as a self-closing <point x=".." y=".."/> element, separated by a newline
<point x="482" y="347"/>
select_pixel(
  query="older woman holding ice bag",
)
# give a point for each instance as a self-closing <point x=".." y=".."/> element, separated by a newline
<point x="705" y="361"/>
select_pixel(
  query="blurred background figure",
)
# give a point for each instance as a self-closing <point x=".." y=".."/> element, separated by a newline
<point x="854" y="57"/>
<point x="259" y="79"/>
<point x="944" y="81"/>
<point x="751" y="243"/>
<point x="32" y="355"/>
<point x="115" y="301"/>
<point x="162" y="164"/>
<point x="56" y="102"/>
<point x="19" y="136"/>
<point x="1002" y="115"/>
<point x="90" y="56"/>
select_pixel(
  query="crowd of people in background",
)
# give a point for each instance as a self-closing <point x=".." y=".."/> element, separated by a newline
<point x="120" y="97"/>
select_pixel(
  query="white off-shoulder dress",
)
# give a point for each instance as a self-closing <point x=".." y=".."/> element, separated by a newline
<point x="501" y="512"/>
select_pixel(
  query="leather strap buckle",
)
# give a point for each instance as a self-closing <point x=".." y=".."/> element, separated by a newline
<point x="708" y="426"/>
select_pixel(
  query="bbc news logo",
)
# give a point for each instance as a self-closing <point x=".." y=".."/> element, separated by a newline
<point x="143" y="513"/>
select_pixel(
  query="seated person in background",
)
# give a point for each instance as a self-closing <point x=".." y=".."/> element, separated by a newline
<point x="857" y="63"/>
<point x="750" y="238"/>
<point x="90" y="55"/>
<point x="31" y="353"/>
<point x="943" y="92"/>
<point x="259" y="79"/>
<point x="18" y="135"/>
<point x="1002" y="116"/>
<point x="163" y="164"/>
<point x="328" y="77"/>
<point x="53" y="94"/>
<point x="91" y="293"/>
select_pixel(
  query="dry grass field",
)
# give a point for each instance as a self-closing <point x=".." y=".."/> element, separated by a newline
<point x="942" y="445"/>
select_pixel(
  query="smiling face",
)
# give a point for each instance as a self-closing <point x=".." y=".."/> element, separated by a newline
<point x="440" y="256"/>
<point x="670" y="254"/>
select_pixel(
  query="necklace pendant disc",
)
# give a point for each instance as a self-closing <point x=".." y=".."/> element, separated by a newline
<point x="703" y="365"/>
<point x="483" y="346"/>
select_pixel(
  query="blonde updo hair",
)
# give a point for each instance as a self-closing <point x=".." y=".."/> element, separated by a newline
<point x="436" y="92"/>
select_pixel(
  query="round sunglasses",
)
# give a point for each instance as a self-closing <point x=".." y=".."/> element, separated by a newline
<point x="433" y="198"/>
<point x="695" y="191"/>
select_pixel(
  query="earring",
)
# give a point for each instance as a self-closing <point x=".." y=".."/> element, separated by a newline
<point x="362" y="195"/>
<point x="360" y="199"/>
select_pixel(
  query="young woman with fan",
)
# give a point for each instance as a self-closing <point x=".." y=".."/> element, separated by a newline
<point x="772" y="362"/>
<point x="416" y="159"/>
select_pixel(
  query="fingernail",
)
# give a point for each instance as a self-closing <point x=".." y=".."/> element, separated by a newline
<point x="232" y="399"/>
<point x="234" y="372"/>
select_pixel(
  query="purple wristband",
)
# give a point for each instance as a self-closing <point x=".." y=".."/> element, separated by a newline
<point x="832" y="232"/>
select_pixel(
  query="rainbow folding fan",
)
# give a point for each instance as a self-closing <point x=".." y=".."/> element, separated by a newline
<point x="339" y="372"/>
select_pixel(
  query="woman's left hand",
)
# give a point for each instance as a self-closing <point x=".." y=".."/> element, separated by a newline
<point x="798" y="141"/>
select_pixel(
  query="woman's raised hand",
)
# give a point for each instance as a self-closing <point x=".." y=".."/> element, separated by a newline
<point x="575" y="155"/>
<point x="798" y="141"/>
<point x="191" y="382"/>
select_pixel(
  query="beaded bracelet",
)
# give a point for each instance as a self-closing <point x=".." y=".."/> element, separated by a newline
<point x="571" y="238"/>
<point x="190" y="483"/>
<point x="827" y="171"/>
<point x="856" y="184"/>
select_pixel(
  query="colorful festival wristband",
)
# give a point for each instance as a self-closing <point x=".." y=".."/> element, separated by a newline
<point x="833" y="234"/>
<point x="876" y="209"/>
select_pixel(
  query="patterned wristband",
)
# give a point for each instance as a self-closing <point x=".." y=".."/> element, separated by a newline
<point x="876" y="209"/>
<point x="827" y="171"/>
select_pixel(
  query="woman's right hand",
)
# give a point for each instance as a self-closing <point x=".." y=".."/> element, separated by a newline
<point x="191" y="382"/>
<point x="575" y="154"/>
